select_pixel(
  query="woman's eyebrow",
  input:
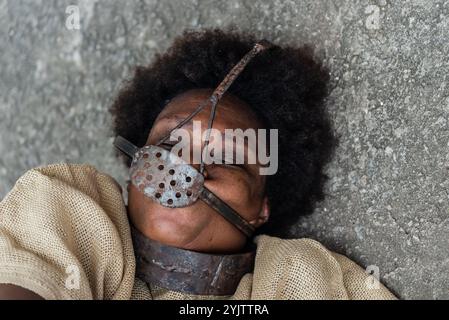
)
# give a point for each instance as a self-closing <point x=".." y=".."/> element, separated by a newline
<point x="171" y="121"/>
<point x="168" y="123"/>
<point x="171" y="118"/>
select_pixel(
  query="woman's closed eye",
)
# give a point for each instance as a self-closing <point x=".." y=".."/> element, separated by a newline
<point x="167" y="146"/>
<point x="226" y="164"/>
<point x="226" y="161"/>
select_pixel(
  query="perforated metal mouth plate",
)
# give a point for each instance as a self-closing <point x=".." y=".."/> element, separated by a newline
<point x="166" y="178"/>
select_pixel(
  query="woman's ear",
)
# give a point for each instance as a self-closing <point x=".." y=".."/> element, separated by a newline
<point x="264" y="214"/>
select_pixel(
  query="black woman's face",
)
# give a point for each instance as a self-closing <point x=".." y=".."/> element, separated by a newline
<point x="199" y="227"/>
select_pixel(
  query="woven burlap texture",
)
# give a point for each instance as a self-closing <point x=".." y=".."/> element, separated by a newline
<point x="64" y="234"/>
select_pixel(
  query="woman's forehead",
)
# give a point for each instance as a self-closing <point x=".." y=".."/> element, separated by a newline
<point x="231" y="111"/>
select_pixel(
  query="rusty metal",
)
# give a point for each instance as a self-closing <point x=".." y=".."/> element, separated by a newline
<point x="237" y="69"/>
<point x="222" y="88"/>
<point x="188" y="271"/>
<point x="165" y="177"/>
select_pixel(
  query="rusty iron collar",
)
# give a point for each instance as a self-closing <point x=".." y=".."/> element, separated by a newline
<point x="188" y="271"/>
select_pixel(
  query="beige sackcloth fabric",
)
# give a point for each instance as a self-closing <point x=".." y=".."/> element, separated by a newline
<point x="64" y="234"/>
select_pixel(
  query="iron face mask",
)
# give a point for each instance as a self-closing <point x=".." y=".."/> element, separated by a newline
<point x="167" y="179"/>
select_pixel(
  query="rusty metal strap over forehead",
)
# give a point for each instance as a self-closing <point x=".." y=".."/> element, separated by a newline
<point x="221" y="89"/>
<point x="188" y="271"/>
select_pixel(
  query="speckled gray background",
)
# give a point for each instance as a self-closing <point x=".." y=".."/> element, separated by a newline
<point x="388" y="197"/>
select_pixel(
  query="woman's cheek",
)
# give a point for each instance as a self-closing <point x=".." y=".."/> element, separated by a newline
<point x="235" y="190"/>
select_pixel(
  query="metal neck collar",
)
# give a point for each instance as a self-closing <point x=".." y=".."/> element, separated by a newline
<point x="188" y="271"/>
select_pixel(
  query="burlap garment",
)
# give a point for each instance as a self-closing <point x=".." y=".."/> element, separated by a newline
<point x="64" y="234"/>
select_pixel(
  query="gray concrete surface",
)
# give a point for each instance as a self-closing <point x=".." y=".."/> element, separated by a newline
<point x="388" y="197"/>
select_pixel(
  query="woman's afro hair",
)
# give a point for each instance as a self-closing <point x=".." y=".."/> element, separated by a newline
<point x="285" y="86"/>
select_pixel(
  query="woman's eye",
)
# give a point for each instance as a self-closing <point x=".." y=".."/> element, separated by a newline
<point x="166" y="146"/>
<point x="230" y="164"/>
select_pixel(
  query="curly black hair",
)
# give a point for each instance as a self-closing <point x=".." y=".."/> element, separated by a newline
<point x="285" y="86"/>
